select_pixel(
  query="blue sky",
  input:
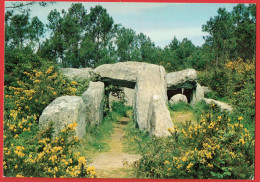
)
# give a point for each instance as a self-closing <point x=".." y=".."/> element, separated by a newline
<point x="160" y="21"/>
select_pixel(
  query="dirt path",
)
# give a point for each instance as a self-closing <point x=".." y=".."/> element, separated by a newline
<point x="115" y="163"/>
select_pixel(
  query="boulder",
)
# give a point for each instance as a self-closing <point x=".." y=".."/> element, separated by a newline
<point x="77" y="74"/>
<point x="65" y="110"/>
<point x="181" y="79"/>
<point x="178" y="98"/>
<point x="223" y="106"/>
<point x="94" y="101"/>
<point x="159" y="120"/>
<point x="197" y="95"/>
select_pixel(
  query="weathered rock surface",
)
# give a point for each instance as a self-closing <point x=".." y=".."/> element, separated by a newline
<point x="178" y="98"/>
<point x="94" y="101"/>
<point x="65" y="110"/>
<point x="150" y="81"/>
<point x="76" y="74"/>
<point x="206" y="89"/>
<point x="147" y="79"/>
<point x="198" y="94"/>
<point x="223" y="106"/>
<point x="159" y="119"/>
<point x="181" y="79"/>
<point x="121" y="74"/>
<point x="129" y="96"/>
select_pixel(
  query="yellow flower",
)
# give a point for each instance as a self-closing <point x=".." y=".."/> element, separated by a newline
<point x="16" y="166"/>
<point x="184" y="159"/>
<point x="82" y="160"/>
<point x="210" y="165"/>
<point x="36" y="81"/>
<point x="166" y="162"/>
<point x="73" y="83"/>
<point x="190" y="165"/>
<point x="49" y="70"/>
<point x="19" y="175"/>
<point x="240" y="118"/>
<point x="242" y="141"/>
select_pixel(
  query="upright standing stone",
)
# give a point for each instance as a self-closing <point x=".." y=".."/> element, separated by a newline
<point x="198" y="94"/>
<point x="159" y="120"/>
<point x="150" y="81"/>
<point x="129" y="96"/>
<point x="94" y="101"/>
<point x="65" y="110"/>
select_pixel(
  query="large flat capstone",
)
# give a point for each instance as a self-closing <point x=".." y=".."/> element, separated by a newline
<point x="65" y="110"/>
<point x="94" y="101"/>
<point x="121" y="74"/>
<point x="181" y="79"/>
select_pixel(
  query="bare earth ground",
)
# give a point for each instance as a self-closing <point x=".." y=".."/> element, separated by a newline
<point x="115" y="163"/>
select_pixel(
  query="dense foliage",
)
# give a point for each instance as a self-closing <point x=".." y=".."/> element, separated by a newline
<point x="210" y="149"/>
<point x="77" y="38"/>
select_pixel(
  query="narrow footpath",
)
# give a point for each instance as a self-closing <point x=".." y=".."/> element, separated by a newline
<point x="115" y="163"/>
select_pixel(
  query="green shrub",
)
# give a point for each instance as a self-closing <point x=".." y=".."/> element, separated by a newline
<point x="38" y="90"/>
<point x="32" y="153"/>
<point x="119" y="108"/>
<point x="28" y="151"/>
<point x="211" y="149"/>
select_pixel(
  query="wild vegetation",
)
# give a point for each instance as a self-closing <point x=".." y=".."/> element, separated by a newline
<point x="211" y="148"/>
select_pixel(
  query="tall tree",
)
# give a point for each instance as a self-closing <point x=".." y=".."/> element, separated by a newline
<point x="220" y="29"/>
<point x="244" y="19"/>
<point x="126" y="44"/>
<point x="100" y="30"/>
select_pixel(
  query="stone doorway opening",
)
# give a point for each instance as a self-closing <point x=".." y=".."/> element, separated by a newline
<point x="187" y="92"/>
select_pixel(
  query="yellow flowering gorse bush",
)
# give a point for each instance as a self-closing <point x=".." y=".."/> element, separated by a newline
<point x="213" y="148"/>
<point x="29" y="152"/>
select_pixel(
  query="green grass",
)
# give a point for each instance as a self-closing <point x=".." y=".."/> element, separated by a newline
<point x="96" y="137"/>
<point x="120" y="109"/>
<point x="181" y="106"/>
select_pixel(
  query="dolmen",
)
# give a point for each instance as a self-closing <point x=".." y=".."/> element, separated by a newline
<point x="148" y="87"/>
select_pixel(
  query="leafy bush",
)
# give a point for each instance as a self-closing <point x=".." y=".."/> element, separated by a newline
<point x="119" y="108"/>
<point x="39" y="88"/>
<point x="236" y="82"/>
<point x="28" y="151"/>
<point x="211" y="149"/>
<point x="42" y="155"/>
